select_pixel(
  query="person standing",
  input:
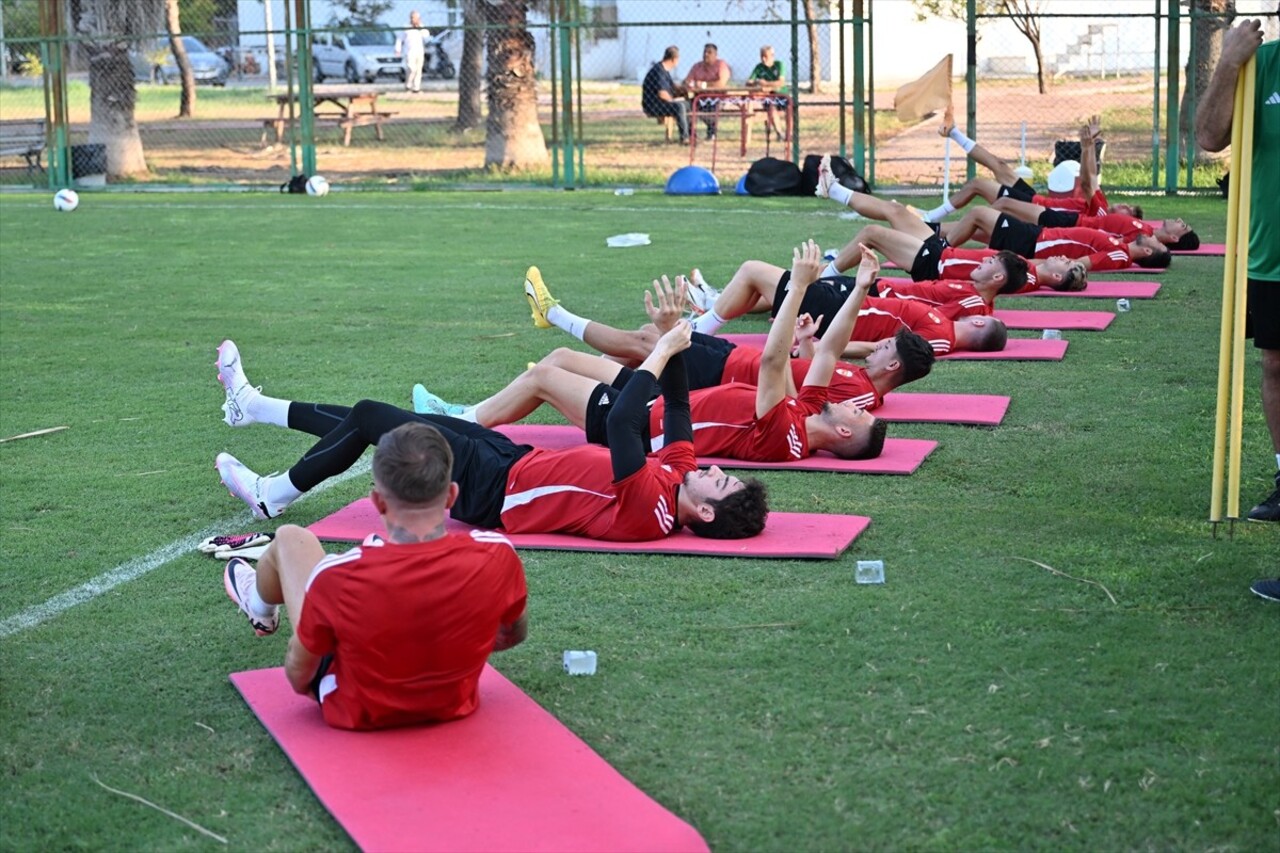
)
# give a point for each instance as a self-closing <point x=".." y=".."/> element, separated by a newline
<point x="1213" y="133"/>
<point x="660" y="96"/>
<point x="413" y="42"/>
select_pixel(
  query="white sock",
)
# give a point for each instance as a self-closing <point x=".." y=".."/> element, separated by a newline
<point x="562" y="318"/>
<point x="1278" y="461"/>
<point x="709" y="323"/>
<point x="829" y="270"/>
<point x="269" y="410"/>
<point x="957" y="136"/>
<point x="279" y="490"/>
<point x="469" y="414"/>
<point x="839" y="192"/>
<point x="260" y="608"/>
<point x="940" y="212"/>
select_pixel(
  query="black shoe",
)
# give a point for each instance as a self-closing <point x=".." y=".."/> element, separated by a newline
<point x="1268" y="588"/>
<point x="1269" y="509"/>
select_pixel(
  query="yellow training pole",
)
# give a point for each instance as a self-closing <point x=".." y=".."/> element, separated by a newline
<point x="1242" y="291"/>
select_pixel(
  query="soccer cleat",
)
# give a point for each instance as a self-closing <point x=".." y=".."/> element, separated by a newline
<point x="253" y="552"/>
<point x="233" y="541"/>
<point x="426" y="403"/>
<point x="540" y="300"/>
<point x="246" y="485"/>
<point x="825" y="178"/>
<point x="702" y="296"/>
<point x="1269" y="509"/>
<point x="1268" y="588"/>
<point x="239" y="578"/>
<point x="240" y="394"/>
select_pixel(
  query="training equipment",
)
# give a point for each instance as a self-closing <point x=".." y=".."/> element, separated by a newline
<point x="1016" y="349"/>
<point x="973" y="409"/>
<point x="245" y="485"/>
<point x="234" y="541"/>
<point x="66" y="200"/>
<point x="801" y="535"/>
<point x="741" y="187"/>
<point x="1229" y="433"/>
<point x="238" y="578"/>
<point x="1101" y="290"/>
<point x="692" y="180"/>
<point x="540" y="301"/>
<point x="426" y="403"/>
<point x="317" y="185"/>
<point x="235" y="409"/>
<point x="900" y="455"/>
<point x="1094" y="321"/>
<point x="1062" y="178"/>
<point x="508" y="777"/>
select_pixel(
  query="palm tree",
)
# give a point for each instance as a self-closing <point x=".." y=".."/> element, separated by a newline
<point x="513" y="136"/>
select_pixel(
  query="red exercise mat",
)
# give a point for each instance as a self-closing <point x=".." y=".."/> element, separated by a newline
<point x="796" y="535"/>
<point x="1094" y="321"/>
<point x="1017" y="349"/>
<point x="1102" y="290"/>
<point x="975" y="409"/>
<point x="508" y="777"/>
<point x="900" y="455"/>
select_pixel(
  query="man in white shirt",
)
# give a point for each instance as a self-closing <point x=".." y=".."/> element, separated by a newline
<point x="413" y="42"/>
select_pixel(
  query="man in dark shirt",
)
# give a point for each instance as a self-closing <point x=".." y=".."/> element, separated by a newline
<point x="659" y="95"/>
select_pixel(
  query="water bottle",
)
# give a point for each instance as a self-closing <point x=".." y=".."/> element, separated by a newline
<point x="1052" y="335"/>
<point x="580" y="662"/>
<point x="624" y="191"/>
<point x="869" y="571"/>
<point x="1122" y="305"/>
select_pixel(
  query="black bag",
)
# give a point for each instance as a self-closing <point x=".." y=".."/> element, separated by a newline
<point x="844" y="172"/>
<point x="771" y="176"/>
<point x="1069" y="149"/>
<point x="296" y="184"/>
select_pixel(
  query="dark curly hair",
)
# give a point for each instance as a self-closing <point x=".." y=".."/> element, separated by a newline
<point x="914" y="354"/>
<point x="738" y="516"/>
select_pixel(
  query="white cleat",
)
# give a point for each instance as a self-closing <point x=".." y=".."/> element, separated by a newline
<point x="825" y="178"/>
<point x="240" y="394"/>
<point x="246" y="485"/>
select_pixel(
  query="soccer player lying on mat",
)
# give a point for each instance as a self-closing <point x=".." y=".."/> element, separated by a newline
<point x="1174" y="233"/>
<point x="754" y="423"/>
<point x="714" y="361"/>
<point x="1096" y="250"/>
<point x="616" y="493"/>
<point x="369" y="641"/>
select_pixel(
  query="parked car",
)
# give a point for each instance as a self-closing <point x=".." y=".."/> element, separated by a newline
<point x="207" y="66"/>
<point x="358" y="56"/>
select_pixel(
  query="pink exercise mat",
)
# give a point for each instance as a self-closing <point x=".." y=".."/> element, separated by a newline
<point x="973" y="409"/>
<point x="797" y="535"/>
<point x="1018" y="349"/>
<point x="1080" y="320"/>
<point x="900" y="456"/>
<point x="510" y="777"/>
<point x="1102" y="290"/>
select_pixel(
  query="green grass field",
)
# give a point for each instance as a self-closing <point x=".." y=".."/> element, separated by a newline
<point x="974" y="701"/>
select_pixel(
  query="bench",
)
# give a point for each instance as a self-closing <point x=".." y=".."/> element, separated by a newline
<point x="345" y="122"/>
<point x="25" y="139"/>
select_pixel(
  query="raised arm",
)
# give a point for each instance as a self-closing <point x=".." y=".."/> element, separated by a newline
<point x="833" y="344"/>
<point x="1213" y="113"/>
<point x="775" y="363"/>
<point x="1089" y="133"/>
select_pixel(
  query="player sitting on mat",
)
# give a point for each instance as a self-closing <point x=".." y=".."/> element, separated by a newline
<point x="612" y="494"/>
<point x="754" y="423"/>
<point x="395" y="631"/>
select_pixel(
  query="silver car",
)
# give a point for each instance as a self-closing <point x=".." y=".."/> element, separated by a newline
<point x="207" y="67"/>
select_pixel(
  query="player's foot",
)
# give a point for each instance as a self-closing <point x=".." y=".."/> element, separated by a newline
<point x="701" y="295"/>
<point x="1268" y="588"/>
<point x="240" y="394"/>
<point x="948" y="122"/>
<point x="540" y="300"/>
<point x="234" y="541"/>
<point x="825" y="177"/>
<point x="1269" y="509"/>
<point x="246" y="485"/>
<point x="239" y="578"/>
<point x="426" y="403"/>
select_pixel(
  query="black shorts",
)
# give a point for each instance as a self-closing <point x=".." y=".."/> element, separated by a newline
<point x="314" y="688"/>
<point x="1015" y="235"/>
<point x="600" y="404"/>
<point x="823" y="298"/>
<point x="1020" y="191"/>
<point x="1058" y="219"/>
<point x="704" y="361"/>
<point x="925" y="265"/>
<point x="1262" y="317"/>
<point x="481" y="460"/>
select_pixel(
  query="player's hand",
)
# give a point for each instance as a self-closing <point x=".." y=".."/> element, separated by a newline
<point x="1094" y="126"/>
<point x="806" y="328"/>
<point x="1241" y="42"/>
<point x="806" y="264"/>
<point x="868" y="266"/>
<point x="666" y="303"/>
<point x="677" y="338"/>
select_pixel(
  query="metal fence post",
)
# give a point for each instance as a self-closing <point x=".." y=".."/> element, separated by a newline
<point x="306" y="103"/>
<point x="1171" y="111"/>
<point x="971" y="83"/>
<point x="53" y="51"/>
<point x="1155" y="102"/>
<point x="795" y="88"/>
<point x="565" y="27"/>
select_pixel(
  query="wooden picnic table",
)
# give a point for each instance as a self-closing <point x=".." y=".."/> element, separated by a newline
<point x="743" y="102"/>
<point x="347" y="107"/>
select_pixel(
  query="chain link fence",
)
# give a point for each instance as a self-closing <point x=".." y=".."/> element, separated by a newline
<point x="246" y="117"/>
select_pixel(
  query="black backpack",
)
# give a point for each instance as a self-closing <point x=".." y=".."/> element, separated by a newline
<point x="841" y="168"/>
<point x="772" y="176"/>
<point x="296" y="184"/>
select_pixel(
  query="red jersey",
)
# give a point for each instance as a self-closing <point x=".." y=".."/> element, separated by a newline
<point x="1104" y="251"/>
<point x="956" y="264"/>
<point x="882" y="318"/>
<point x="951" y="299"/>
<point x="848" y="381"/>
<point x="1095" y="205"/>
<point x="725" y="423"/>
<point x="409" y="626"/>
<point x="572" y="491"/>
<point x="1125" y="227"/>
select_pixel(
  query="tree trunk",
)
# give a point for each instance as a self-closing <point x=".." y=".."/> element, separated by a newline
<point x="513" y="137"/>
<point x="112" y="98"/>
<point x="1040" y="79"/>
<point x="1024" y="14"/>
<point x="815" y="48"/>
<point x="174" y="26"/>
<point x="470" y="68"/>
<point x="1206" y="37"/>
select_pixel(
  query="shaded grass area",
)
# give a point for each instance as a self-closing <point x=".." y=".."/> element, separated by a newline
<point x="973" y="701"/>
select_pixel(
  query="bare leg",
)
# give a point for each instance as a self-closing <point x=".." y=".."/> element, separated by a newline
<point x="751" y="289"/>
<point x="895" y="245"/>
<point x="594" y="367"/>
<point x="285" y="567"/>
<point x="567" y="392"/>
<point x="980" y="220"/>
<point x="632" y="346"/>
<point x="984" y="188"/>
<point x="1024" y="210"/>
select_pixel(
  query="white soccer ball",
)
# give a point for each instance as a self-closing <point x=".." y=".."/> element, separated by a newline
<point x="66" y="200"/>
<point x="317" y="185"/>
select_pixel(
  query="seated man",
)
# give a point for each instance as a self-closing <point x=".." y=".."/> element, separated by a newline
<point x="613" y="494"/>
<point x="711" y="73"/>
<point x="659" y="95"/>
<point x="769" y="76"/>
<point x="368" y="639"/>
<point x="755" y="423"/>
<point x="1095" y="250"/>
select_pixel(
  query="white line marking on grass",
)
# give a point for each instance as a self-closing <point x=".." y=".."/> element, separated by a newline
<point x="134" y="569"/>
